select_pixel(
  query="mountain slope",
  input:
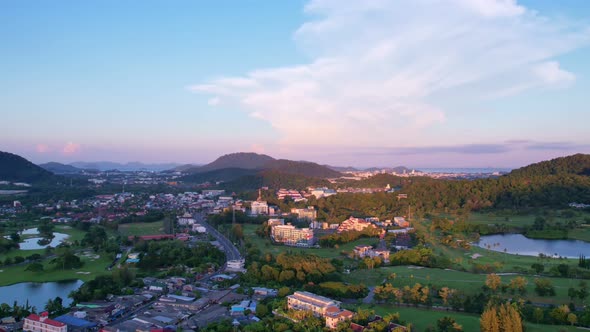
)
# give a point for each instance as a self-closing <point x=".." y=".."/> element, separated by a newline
<point x="17" y="169"/>
<point x="224" y="175"/>
<point x="59" y="168"/>
<point x="261" y="162"/>
<point x="243" y="160"/>
<point x="578" y="164"/>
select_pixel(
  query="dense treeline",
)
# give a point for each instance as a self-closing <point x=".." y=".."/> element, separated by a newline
<point x="291" y="269"/>
<point x="155" y="255"/>
<point x="274" y="179"/>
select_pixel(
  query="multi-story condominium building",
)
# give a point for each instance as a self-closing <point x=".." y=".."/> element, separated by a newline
<point x="43" y="323"/>
<point x="292" y="236"/>
<point x="354" y="224"/>
<point x="320" y="306"/>
<point x="317" y="304"/>
<point x="259" y="207"/>
<point x="309" y="213"/>
<point x="368" y="251"/>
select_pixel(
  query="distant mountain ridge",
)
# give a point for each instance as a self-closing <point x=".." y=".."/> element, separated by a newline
<point x="18" y="169"/>
<point x="59" y="168"/>
<point x="261" y="162"/>
<point x="130" y="166"/>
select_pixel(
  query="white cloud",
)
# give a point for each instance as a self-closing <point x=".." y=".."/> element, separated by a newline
<point x="378" y="66"/>
<point x="43" y="148"/>
<point x="213" y="101"/>
<point x="550" y="73"/>
<point x="70" y="148"/>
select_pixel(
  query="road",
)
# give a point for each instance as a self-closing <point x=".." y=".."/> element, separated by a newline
<point x="231" y="252"/>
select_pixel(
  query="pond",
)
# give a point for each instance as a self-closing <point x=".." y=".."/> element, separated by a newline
<point x="31" y="243"/>
<point x="38" y="293"/>
<point x="521" y="245"/>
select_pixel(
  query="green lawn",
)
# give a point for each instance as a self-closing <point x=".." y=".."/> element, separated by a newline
<point x="142" y="228"/>
<point x="92" y="268"/>
<point x="422" y="319"/>
<point x="467" y="282"/>
<point x="265" y="245"/>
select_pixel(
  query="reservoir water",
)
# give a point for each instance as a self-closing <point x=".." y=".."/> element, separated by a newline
<point x="38" y="293"/>
<point x="521" y="245"/>
<point x="31" y="243"/>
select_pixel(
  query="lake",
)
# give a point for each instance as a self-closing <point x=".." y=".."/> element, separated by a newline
<point x="38" y="293"/>
<point x="520" y="244"/>
<point x="31" y="243"/>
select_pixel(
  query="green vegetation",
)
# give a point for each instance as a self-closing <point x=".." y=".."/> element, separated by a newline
<point x="138" y="229"/>
<point x="422" y="319"/>
<point x="93" y="266"/>
<point x="18" y="169"/>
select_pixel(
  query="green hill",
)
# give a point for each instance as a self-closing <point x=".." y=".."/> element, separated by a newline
<point x="17" y="169"/>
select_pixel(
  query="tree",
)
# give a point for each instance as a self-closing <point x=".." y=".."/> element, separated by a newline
<point x="510" y="319"/>
<point x="67" y="260"/>
<point x="518" y="284"/>
<point x="544" y="287"/>
<point x="35" y="267"/>
<point x="572" y="319"/>
<point x="493" y="281"/>
<point x="538" y="268"/>
<point x="261" y="310"/>
<point x="448" y="324"/>
<point x="488" y="321"/>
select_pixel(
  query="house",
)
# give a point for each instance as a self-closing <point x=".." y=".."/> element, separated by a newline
<point x="43" y="323"/>
<point x="186" y="219"/>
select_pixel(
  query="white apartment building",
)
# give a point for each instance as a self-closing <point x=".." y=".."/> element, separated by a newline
<point x="292" y="236"/>
<point x="259" y="207"/>
<point x="43" y="323"/>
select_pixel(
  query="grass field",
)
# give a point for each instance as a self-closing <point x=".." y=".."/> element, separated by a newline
<point x="421" y="319"/>
<point x="142" y="228"/>
<point x="92" y="268"/>
<point x="467" y="282"/>
<point x="265" y="245"/>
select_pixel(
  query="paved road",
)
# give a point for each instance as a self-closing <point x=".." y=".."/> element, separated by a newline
<point x="231" y="252"/>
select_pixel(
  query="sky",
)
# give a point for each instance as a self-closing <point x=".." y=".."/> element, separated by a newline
<point x="421" y="83"/>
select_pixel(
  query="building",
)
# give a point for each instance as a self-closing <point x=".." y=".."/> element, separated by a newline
<point x="401" y="222"/>
<point x="317" y="304"/>
<point x="354" y="224"/>
<point x="320" y="306"/>
<point x="322" y="192"/>
<point x="235" y="265"/>
<point x="43" y="323"/>
<point x="274" y="222"/>
<point x="335" y="316"/>
<point x="292" y="236"/>
<point x="199" y="228"/>
<point x="186" y="219"/>
<point x="309" y="213"/>
<point x="368" y="251"/>
<point x="259" y="207"/>
<point x="292" y="194"/>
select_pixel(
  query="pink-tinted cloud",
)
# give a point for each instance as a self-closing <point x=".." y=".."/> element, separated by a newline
<point x="70" y="148"/>
<point x="43" y="148"/>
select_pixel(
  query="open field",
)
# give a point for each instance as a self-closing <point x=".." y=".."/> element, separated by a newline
<point x="265" y="245"/>
<point x="468" y="282"/>
<point x="142" y="228"/>
<point x="421" y="319"/>
<point x="92" y="268"/>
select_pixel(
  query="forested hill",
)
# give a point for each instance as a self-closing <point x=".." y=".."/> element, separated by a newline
<point x="17" y="169"/>
<point x="260" y="162"/>
<point x="578" y="164"/>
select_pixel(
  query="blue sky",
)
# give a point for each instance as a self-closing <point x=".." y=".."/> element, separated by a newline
<point x="424" y="83"/>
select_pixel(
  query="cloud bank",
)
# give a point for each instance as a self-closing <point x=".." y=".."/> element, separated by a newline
<point x="378" y="68"/>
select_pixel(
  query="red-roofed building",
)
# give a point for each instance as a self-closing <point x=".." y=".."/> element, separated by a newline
<point x="43" y="323"/>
